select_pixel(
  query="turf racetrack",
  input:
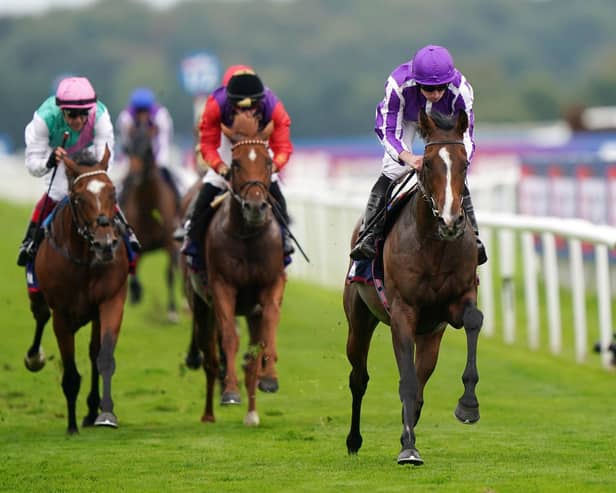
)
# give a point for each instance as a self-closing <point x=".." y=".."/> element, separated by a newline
<point x="547" y="424"/>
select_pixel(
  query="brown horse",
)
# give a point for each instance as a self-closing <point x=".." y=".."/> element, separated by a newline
<point x="82" y="267"/>
<point x="151" y="207"/>
<point x="429" y="263"/>
<point x="245" y="275"/>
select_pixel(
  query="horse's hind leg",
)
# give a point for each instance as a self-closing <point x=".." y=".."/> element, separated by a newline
<point x="94" y="397"/>
<point x="172" y="312"/>
<point x="35" y="356"/>
<point x="193" y="357"/>
<point x="135" y="289"/>
<point x="467" y="410"/>
<point x="205" y="337"/>
<point x="361" y="327"/>
<point x="426" y="355"/>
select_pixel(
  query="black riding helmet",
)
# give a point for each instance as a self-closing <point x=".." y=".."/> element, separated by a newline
<point x="245" y="89"/>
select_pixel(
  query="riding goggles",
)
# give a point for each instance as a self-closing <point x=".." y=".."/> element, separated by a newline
<point x="440" y="87"/>
<point x="76" y="112"/>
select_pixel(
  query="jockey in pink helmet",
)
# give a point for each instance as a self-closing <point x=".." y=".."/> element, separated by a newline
<point x="74" y="112"/>
<point x="430" y="81"/>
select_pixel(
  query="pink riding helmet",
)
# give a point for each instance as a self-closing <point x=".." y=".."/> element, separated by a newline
<point x="433" y="65"/>
<point x="75" y="92"/>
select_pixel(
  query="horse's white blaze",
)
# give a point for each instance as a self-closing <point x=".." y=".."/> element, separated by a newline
<point x="252" y="155"/>
<point x="252" y="419"/>
<point x="448" y="205"/>
<point x="95" y="187"/>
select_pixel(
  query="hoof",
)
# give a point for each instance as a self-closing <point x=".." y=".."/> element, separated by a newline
<point x="268" y="384"/>
<point x="466" y="415"/>
<point x="35" y="362"/>
<point x="353" y="443"/>
<point x="252" y="419"/>
<point x="208" y="418"/>
<point x="106" y="419"/>
<point x="193" y="361"/>
<point x="410" y="456"/>
<point x="88" y="421"/>
<point x="230" y="398"/>
<point x="173" y="317"/>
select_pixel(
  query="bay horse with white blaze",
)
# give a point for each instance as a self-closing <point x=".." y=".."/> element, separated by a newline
<point x="152" y="209"/>
<point x="82" y="267"/>
<point x="245" y="274"/>
<point x="429" y="264"/>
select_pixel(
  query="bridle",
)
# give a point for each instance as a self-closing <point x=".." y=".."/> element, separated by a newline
<point x="428" y="196"/>
<point x="240" y="195"/>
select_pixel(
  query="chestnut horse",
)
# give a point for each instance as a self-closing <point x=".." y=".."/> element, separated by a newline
<point x="151" y="208"/>
<point x="245" y="274"/>
<point x="429" y="263"/>
<point x="82" y="268"/>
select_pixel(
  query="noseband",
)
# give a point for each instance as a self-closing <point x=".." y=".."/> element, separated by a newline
<point x="243" y="191"/>
<point x="427" y="196"/>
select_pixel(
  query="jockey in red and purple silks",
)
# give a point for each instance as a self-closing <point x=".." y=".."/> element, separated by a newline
<point x="241" y="91"/>
<point x="429" y="81"/>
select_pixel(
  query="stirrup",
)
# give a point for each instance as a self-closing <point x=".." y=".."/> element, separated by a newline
<point x="26" y="254"/>
<point x="364" y="249"/>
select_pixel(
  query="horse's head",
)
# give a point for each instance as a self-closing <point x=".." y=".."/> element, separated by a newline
<point x="443" y="175"/>
<point x="93" y="203"/>
<point x="251" y="167"/>
<point x="140" y="152"/>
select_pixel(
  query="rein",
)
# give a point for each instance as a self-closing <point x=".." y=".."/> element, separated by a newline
<point x="238" y="196"/>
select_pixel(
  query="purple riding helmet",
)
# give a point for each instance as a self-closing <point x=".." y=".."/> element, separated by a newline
<point x="433" y="65"/>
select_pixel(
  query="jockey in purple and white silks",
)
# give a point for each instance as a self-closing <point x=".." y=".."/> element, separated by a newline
<point x="76" y="112"/>
<point x="430" y="81"/>
<point x="143" y="109"/>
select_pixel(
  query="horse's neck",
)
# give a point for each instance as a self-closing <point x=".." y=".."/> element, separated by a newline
<point x="421" y="215"/>
<point x="64" y="233"/>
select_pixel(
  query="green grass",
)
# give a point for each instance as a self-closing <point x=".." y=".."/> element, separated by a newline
<point x="546" y="423"/>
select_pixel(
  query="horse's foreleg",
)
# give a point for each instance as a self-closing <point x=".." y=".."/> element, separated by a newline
<point x="110" y="313"/>
<point x="426" y="355"/>
<point x="71" y="380"/>
<point x="467" y="410"/>
<point x="223" y="297"/>
<point x="252" y="360"/>
<point x="94" y="398"/>
<point x="361" y="327"/>
<point x="268" y="379"/>
<point x="403" y="323"/>
<point x="35" y="356"/>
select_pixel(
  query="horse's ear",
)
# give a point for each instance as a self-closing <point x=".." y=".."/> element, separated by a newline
<point x="71" y="165"/>
<point x="227" y="131"/>
<point x="426" y="125"/>
<point x="105" y="161"/>
<point x="267" y="131"/>
<point x="462" y="123"/>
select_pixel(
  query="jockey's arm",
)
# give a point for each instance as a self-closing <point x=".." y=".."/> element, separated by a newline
<point x="37" y="146"/>
<point x="209" y="133"/>
<point x="164" y="136"/>
<point x="280" y="139"/>
<point x="103" y="137"/>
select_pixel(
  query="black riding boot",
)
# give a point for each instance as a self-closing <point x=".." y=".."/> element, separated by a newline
<point x="127" y="230"/>
<point x="198" y="220"/>
<point x="29" y="245"/>
<point x="283" y="217"/>
<point x="482" y="257"/>
<point x="374" y="220"/>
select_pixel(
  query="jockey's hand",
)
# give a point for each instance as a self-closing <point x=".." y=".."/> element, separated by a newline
<point x="415" y="162"/>
<point x="224" y="171"/>
<point x="56" y="156"/>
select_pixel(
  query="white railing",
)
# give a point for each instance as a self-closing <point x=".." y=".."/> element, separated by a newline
<point x="324" y="219"/>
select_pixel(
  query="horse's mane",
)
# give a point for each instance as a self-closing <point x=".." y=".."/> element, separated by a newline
<point x="444" y="122"/>
<point x="84" y="157"/>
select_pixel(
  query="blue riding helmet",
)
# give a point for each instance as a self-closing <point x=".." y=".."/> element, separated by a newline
<point x="142" y="98"/>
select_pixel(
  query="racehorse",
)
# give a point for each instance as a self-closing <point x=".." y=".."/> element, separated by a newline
<point x="429" y="264"/>
<point x="151" y="207"/>
<point x="82" y="267"/>
<point x="244" y="274"/>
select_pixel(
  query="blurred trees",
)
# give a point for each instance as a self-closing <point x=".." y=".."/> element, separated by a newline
<point x="327" y="60"/>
